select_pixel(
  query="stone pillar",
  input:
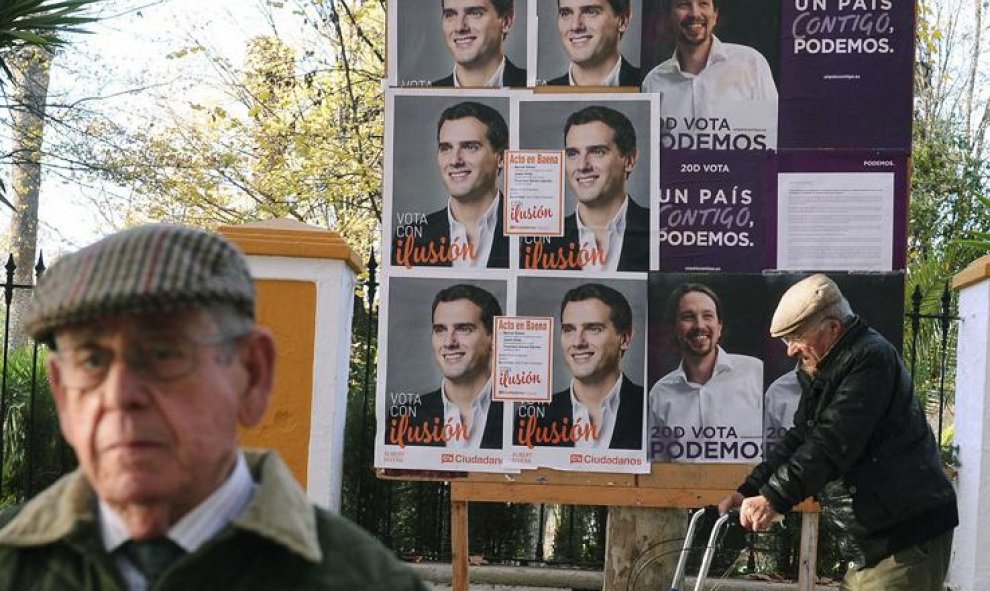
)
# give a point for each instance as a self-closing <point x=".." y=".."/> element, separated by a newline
<point x="970" y="569"/>
<point x="305" y="278"/>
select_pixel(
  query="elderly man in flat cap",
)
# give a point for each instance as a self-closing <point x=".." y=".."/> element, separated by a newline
<point x="861" y="444"/>
<point x="155" y="361"/>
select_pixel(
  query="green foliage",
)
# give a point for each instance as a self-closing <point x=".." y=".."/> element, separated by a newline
<point x="580" y="535"/>
<point x="39" y="22"/>
<point x="30" y="464"/>
<point x="949" y="217"/>
<point x="300" y="136"/>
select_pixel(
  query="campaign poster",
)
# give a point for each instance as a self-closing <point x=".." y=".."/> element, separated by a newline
<point x="595" y="421"/>
<point x="611" y="169"/>
<point x="523" y="358"/>
<point x="715" y="69"/>
<point x="534" y="192"/>
<point x="842" y="210"/>
<point x="846" y="74"/>
<point x="587" y="43"/>
<point x="434" y="407"/>
<point x="443" y="179"/>
<point x="429" y="39"/>
<point x="877" y="298"/>
<point x="705" y="366"/>
<point x="713" y="211"/>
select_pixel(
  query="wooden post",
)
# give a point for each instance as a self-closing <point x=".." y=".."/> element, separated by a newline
<point x="642" y="546"/>
<point x="808" y="561"/>
<point x="459" y="545"/>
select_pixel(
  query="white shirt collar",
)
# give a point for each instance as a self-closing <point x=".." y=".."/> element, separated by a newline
<point x="494" y="82"/>
<point x="486" y="233"/>
<point x="610" y="409"/>
<point x="193" y="530"/>
<point x="200" y="524"/>
<point x="479" y="415"/>
<point x="715" y="54"/>
<point x="611" y="80"/>
<point x="723" y="363"/>
<point x="615" y="233"/>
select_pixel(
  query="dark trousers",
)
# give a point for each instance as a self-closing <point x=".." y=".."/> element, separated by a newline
<point x="921" y="567"/>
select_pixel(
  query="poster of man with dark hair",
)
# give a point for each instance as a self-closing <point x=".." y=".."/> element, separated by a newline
<point x="595" y="420"/>
<point x="457" y="43"/>
<point x="589" y="42"/>
<point x="705" y="367"/>
<point x="435" y="404"/>
<point x="611" y="165"/>
<point x="446" y="202"/>
<point x="713" y="63"/>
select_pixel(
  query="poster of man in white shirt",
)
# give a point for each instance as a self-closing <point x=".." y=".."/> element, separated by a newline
<point x="436" y="396"/>
<point x="457" y="43"/>
<point x="716" y="93"/>
<point x="611" y="162"/>
<point x="596" y="414"/>
<point x="446" y="202"/>
<point x="709" y="407"/>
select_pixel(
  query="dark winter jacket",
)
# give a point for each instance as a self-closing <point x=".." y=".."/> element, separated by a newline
<point x="862" y="445"/>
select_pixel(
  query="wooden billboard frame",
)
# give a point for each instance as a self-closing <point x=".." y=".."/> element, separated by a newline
<point x="667" y="486"/>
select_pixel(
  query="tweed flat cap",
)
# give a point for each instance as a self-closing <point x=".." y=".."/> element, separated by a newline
<point x="147" y="269"/>
<point x="802" y="301"/>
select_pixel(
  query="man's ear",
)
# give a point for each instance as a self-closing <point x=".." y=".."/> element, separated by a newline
<point x="507" y="21"/>
<point x="625" y="340"/>
<point x="630" y="161"/>
<point x="624" y="20"/>
<point x="257" y="355"/>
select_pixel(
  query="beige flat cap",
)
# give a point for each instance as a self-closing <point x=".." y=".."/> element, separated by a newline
<point x="802" y="301"/>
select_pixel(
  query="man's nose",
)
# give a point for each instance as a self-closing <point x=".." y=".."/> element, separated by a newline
<point x="123" y="386"/>
<point x="793" y="349"/>
<point x="450" y="340"/>
<point x="462" y="24"/>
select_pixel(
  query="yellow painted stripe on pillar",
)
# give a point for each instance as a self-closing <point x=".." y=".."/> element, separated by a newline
<point x="288" y="308"/>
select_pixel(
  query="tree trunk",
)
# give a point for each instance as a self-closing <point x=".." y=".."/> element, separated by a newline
<point x="31" y="67"/>
<point x="642" y="548"/>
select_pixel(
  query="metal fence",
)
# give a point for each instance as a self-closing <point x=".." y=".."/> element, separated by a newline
<point x="33" y="453"/>
<point x="413" y="517"/>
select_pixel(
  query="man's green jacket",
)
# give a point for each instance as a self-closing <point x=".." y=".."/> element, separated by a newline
<point x="280" y="542"/>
